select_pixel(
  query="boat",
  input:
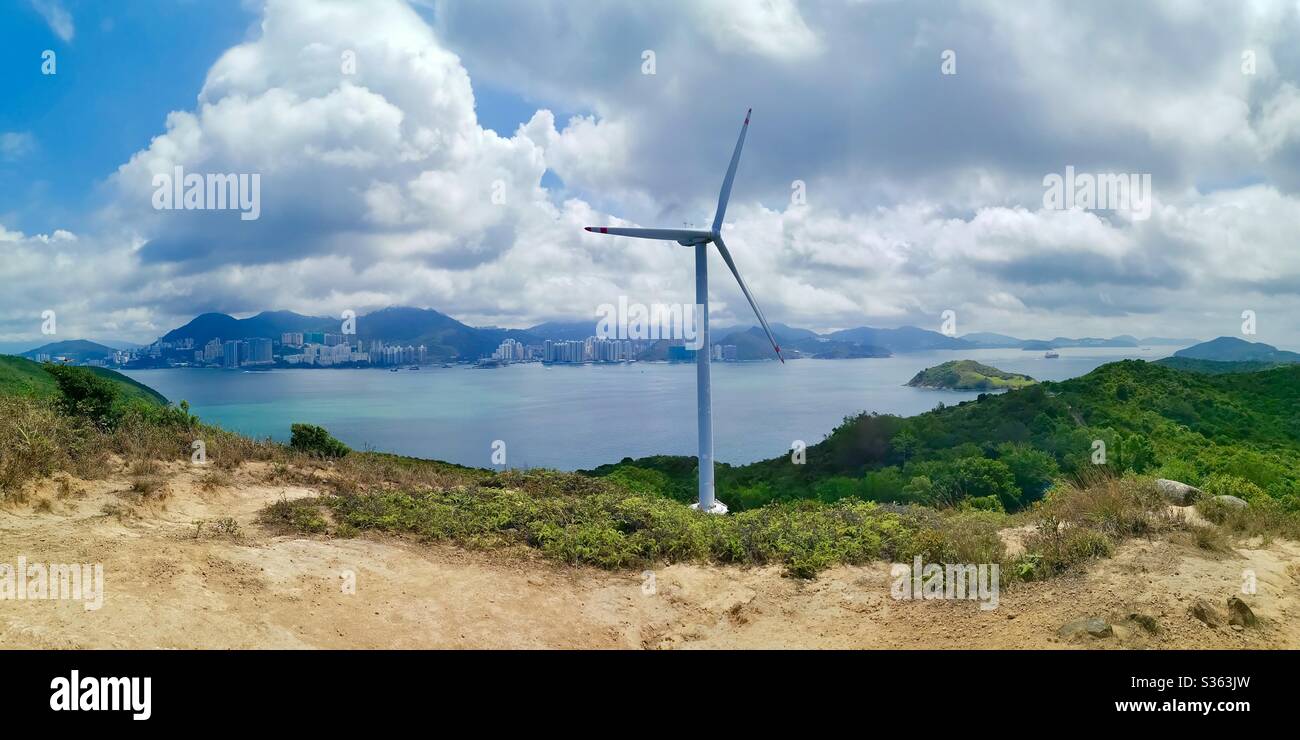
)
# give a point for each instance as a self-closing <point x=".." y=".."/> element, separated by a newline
<point x="393" y="369"/>
<point x="413" y="367"/>
<point x="1050" y="355"/>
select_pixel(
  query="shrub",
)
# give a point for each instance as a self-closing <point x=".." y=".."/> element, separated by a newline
<point x="35" y="441"/>
<point x="86" y="395"/>
<point x="315" y="441"/>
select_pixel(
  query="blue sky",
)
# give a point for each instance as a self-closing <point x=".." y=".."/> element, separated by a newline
<point x="924" y="188"/>
<point x="127" y="65"/>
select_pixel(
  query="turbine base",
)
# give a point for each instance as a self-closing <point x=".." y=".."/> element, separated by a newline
<point x="717" y="508"/>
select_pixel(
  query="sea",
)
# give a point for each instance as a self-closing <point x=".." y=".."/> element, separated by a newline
<point x="572" y="417"/>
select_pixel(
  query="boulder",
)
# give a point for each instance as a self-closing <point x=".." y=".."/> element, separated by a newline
<point x="1232" y="501"/>
<point x="1178" y="494"/>
<point x="1087" y="626"/>
<point x="1207" y="613"/>
<point x="1240" y="614"/>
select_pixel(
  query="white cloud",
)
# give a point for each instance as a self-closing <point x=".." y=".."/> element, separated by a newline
<point x="15" y="144"/>
<point x="59" y="19"/>
<point x="924" y="193"/>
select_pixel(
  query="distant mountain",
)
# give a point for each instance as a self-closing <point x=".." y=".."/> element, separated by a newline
<point x="445" y="337"/>
<point x="903" y="339"/>
<point x="77" y="350"/>
<point x="991" y="340"/>
<point x="564" y="331"/>
<point x="1232" y="349"/>
<point x="1120" y="341"/>
<point x="270" y="324"/>
<point x="116" y="344"/>
<point x="968" y="375"/>
<point x="752" y="344"/>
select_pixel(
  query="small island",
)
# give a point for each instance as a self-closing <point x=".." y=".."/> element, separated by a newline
<point x="969" y="375"/>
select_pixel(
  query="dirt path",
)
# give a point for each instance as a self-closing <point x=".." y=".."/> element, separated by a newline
<point x="165" y="588"/>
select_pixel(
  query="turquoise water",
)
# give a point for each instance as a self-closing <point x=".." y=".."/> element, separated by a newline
<point x="579" y="417"/>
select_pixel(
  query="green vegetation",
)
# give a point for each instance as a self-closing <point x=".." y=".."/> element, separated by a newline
<point x="1217" y="367"/>
<point x="314" y="440"/>
<point x="23" y="377"/>
<point x="577" y="519"/>
<point x="63" y="418"/>
<point x="939" y="485"/>
<point x="1152" y="420"/>
<point x="968" y="375"/>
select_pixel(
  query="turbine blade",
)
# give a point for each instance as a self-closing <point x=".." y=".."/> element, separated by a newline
<point x="674" y="235"/>
<point x="725" y="195"/>
<point x="726" y="257"/>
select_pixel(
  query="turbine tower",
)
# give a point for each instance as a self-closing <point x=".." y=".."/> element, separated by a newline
<point x="701" y="240"/>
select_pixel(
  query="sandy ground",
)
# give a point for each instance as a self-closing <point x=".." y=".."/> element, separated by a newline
<point x="167" y="588"/>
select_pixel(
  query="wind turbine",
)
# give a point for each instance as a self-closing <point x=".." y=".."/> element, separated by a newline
<point x="701" y="240"/>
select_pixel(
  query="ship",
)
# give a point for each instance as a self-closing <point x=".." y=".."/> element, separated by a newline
<point x="1051" y="355"/>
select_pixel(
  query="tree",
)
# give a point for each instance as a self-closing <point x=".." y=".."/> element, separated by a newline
<point x="315" y="441"/>
<point x="974" y="477"/>
<point x="85" y="394"/>
<point x="1033" y="469"/>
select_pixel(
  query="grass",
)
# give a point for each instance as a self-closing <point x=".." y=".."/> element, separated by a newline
<point x="22" y="377"/>
<point x="1263" y="518"/>
<point x="577" y="519"/>
<point x="1078" y="522"/>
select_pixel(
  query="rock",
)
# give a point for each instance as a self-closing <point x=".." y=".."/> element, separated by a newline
<point x="1178" y="494"/>
<point x="1205" y="611"/>
<point x="1145" y="621"/>
<point x="1239" y="613"/>
<point x="1232" y="501"/>
<point x="1087" y="626"/>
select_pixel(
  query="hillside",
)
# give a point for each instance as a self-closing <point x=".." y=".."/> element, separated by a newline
<point x="214" y="575"/>
<point x="968" y="375"/>
<point x="1216" y="367"/>
<point x="1232" y="349"/>
<point x="77" y="350"/>
<point x="1240" y="431"/>
<point x="269" y="324"/>
<point x="20" y="376"/>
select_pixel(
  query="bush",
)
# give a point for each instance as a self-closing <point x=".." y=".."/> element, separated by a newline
<point x="315" y="441"/>
<point x="35" y="441"/>
<point x="86" y="395"/>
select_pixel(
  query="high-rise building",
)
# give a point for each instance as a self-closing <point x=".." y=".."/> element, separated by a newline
<point x="231" y="353"/>
<point x="213" y="350"/>
<point x="259" y="351"/>
<point x="291" y="339"/>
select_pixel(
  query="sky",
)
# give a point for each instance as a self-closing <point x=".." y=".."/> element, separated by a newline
<point x="448" y="154"/>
